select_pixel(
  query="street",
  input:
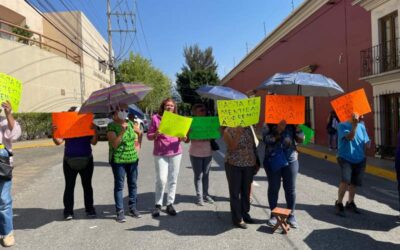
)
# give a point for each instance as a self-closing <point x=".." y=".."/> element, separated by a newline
<point x="39" y="224"/>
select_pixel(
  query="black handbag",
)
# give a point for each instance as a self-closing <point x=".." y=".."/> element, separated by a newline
<point x="214" y="145"/>
<point x="5" y="168"/>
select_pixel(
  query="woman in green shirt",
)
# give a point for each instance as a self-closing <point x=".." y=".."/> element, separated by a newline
<point x="124" y="159"/>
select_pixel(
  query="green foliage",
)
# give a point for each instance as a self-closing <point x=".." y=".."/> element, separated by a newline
<point x="200" y="69"/>
<point x="22" y="32"/>
<point x="34" y="125"/>
<point x="139" y="69"/>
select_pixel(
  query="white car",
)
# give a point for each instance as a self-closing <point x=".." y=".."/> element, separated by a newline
<point x="101" y="120"/>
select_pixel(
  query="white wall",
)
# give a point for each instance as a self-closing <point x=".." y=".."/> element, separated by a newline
<point x="379" y="12"/>
<point x="44" y="76"/>
<point x="33" y="19"/>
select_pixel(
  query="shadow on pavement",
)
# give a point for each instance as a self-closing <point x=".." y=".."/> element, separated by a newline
<point x="101" y="164"/>
<point x="367" y="220"/>
<point x="341" y="238"/>
<point x="375" y="188"/>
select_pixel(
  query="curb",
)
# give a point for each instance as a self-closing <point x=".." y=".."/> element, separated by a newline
<point x="370" y="169"/>
<point x="34" y="145"/>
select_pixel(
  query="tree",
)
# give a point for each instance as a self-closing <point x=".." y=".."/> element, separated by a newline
<point x="200" y="69"/>
<point x="139" y="69"/>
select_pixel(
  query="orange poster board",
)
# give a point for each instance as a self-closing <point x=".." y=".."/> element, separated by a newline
<point x="72" y="124"/>
<point x="285" y="107"/>
<point x="346" y="105"/>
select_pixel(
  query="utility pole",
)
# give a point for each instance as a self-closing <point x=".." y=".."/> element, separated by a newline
<point x="110" y="31"/>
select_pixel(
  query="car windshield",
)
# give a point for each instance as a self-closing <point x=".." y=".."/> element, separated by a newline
<point x="100" y="115"/>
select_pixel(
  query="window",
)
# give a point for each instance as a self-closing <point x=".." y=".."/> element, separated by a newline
<point x="391" y="122"/>
<point x="388" y="37"/>
<point x="102" y="65"/>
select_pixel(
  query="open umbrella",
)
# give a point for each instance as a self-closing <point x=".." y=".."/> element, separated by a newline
<point x="220" y="93"/>
<point x="104" y="100"/>
<point x="300" y="83"/>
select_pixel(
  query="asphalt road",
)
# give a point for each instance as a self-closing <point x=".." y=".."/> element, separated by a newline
<point x="39" y="184"/>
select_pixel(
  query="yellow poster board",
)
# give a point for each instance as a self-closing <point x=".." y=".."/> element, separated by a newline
<point x="235" y="113"/>
<point x="174" y="125"/>
<point x="10" y="90"/>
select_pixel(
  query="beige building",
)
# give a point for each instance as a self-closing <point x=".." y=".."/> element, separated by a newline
<point x="57" y="69"/>
<point x="381" y="68"/>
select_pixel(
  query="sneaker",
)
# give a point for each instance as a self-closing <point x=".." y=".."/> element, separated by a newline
<point x="9" y="240"/>
<point x="241" y="225"/>
<point x="156" y="211"/>
<point x="200" y="203"/>
<point x="247" y="218"/>
<point x="171" y="210"/>
<point x="292" y="221"/>
<point x="121" y="217"/>
<point x="339" y="209"/>
<point x="91" y="214"/>
<point x="134" y="213"/>
<point x="272" y="221"/>
<point x="68" y="216"/>
<point x="208" y="199"/>
<point x="352" y="207"/>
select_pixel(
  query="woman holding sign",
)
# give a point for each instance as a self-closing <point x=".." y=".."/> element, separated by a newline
<point x="240" y="166"/>
<point x="281" y="163"/>
<point x="123" y="157"/>
<point x="167" y="156"/>
<point x="200" y="156"/>
<point x="78" y="159"/>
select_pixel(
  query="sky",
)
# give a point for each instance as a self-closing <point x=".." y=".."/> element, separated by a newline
<point x="165" y="27"/>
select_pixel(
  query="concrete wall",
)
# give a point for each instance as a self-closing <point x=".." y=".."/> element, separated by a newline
<point x="50" y="82"/>
<point x="379" y="12"/>
<point x="32" y="18"/>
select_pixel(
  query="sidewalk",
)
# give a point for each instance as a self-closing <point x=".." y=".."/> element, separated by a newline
<point x="33" y="143"/>
<point x="378" y="167"/>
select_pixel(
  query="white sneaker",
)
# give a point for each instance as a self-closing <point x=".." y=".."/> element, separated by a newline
<point x="9" y="240"/>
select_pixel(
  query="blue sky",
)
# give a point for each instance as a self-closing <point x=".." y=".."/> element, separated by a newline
<point x="225" y="25"/>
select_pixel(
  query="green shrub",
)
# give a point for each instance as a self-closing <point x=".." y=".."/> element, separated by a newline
<point x="24" y="33"/>
<point x="34" y="125"/>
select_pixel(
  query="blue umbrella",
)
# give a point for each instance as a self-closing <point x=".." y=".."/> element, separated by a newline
<point x="134" y="109"/>
<point x="300" y="83"/>
<point x="220" y="93"/>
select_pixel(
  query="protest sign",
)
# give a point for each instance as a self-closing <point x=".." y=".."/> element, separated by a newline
<point x="284" y="107"/>
<point x="203" y="128"/>
<point x="308" y="133"/>
<point x="353" y="102"/>
<point x="174" y="125"/>
<point x="10" y="90"/>
<point x="234" y="113"/>
<point x="72" y="124"/>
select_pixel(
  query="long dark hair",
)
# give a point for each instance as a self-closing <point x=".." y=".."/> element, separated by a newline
<point x="161" y="109"/>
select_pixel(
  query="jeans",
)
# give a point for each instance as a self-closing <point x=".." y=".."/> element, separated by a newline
<point x="70" y="179"/>
<point x="288" y="175"/>
<point x="239" y="181"/>
<point x="167" y="169"/>
<point x="6" y="213"/>
<point x="201" y="169"/>
<point x="119" y="171"/>
<point x="332" y="139"/>
<point x="398" y="178"/>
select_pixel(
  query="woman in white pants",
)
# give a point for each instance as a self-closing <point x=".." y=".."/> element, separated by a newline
<point x="167" y="156"/>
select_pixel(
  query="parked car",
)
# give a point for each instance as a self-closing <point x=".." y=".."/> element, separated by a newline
<point x="101" y="120"/>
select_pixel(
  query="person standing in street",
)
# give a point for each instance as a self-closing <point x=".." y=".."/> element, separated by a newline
<point x="282" y="165"/>
<point x="167" y="156"/>
<point x="124" y="160"/>
<point x="200" y="157"/>
<point x="353" y="139"/>
<point x="331" y="128"/>
<point x="78" y="159"/>
<point x="240" y="167"/>
<point x="10" y="131"/>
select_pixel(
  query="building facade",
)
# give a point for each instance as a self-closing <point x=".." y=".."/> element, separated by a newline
<point x="59" y="67"/>
<point x="323" y="37"/>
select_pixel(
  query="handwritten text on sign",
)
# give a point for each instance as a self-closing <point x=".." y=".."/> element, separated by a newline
<point x="204" y="128"/>
<point x="234" y="113"/>
<point x="346" y="105"/>
<point x="284" y="107"/>
<point x="72" y="124"/>
<point x="10" y="90"/>
<point x="174" y="125"/>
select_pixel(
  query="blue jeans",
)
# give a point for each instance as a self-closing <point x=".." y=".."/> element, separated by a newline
<point x="6" y="213"/>
<point x="397" y="165"/>
<point x="288" y="176"/>
<point x="119" y="171"/>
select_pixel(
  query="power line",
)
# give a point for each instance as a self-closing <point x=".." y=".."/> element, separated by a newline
<point x="141" y="27"/>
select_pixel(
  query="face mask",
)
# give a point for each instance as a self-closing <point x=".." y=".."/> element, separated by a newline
<point x="122" y="115"/>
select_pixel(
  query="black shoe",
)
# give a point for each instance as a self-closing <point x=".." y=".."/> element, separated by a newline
<point x="352" y="207"/>
<point x="156" y="211"/>
<point x="121" y="216"/>
<point x="171" y="210"/>
<point x="339" y="209"/>
<point x="134" y="213"/>
<point x="91" y="213"/>
<point x="241" y="225"/>
<point x="248" y="219"/>
<point x="68" y="216"/>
